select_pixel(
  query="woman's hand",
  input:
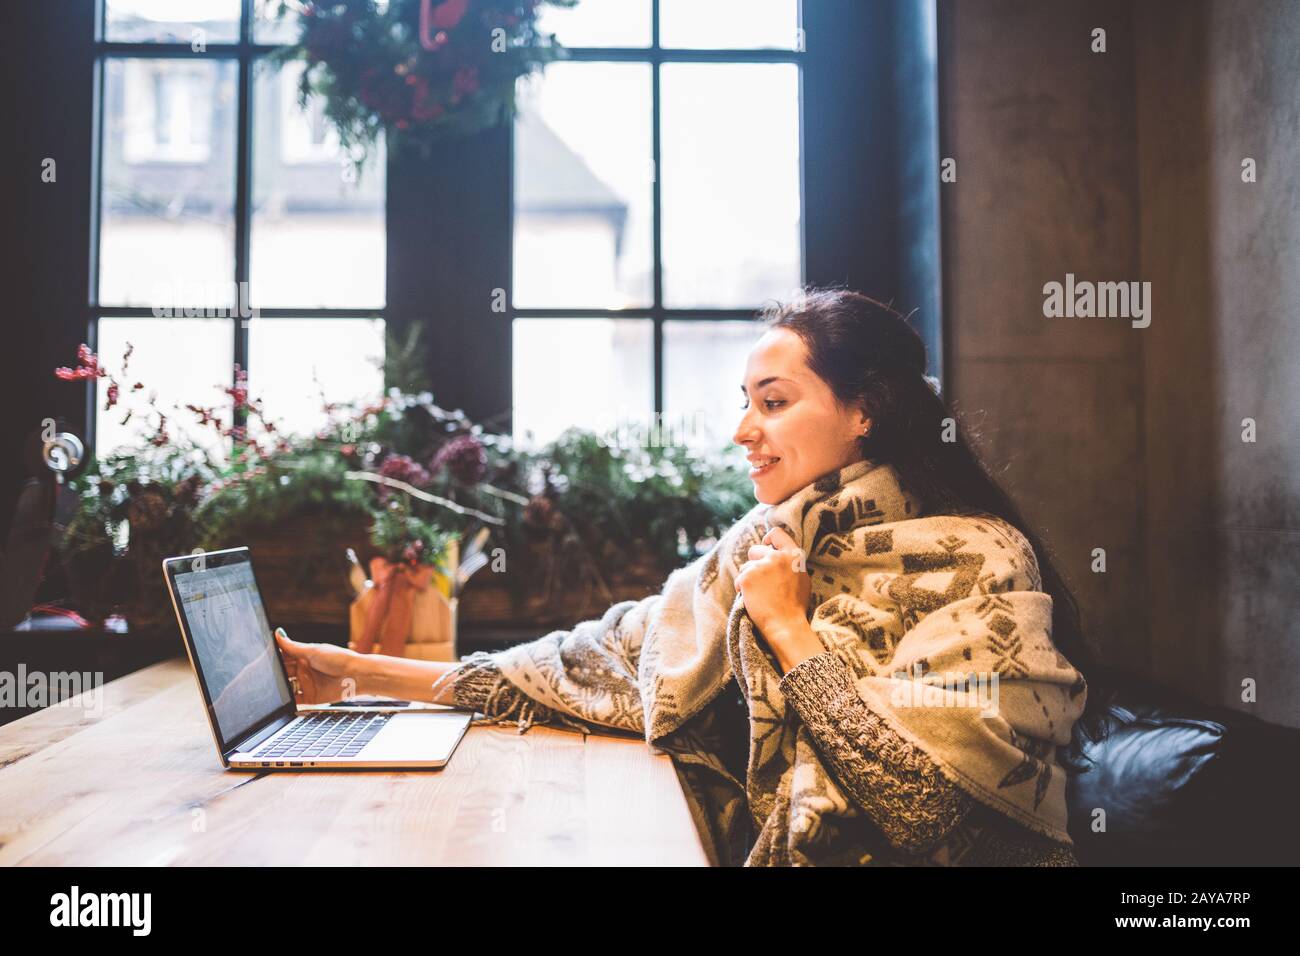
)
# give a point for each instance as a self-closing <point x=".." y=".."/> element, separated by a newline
<point x="775" y="586"/>
<point x="325" y="672"/>
<point x="774" y="583"/>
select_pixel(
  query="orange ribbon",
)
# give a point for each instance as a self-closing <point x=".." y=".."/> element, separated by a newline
<point x="392" y="605"/>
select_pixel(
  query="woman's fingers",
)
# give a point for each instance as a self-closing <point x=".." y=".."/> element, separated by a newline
<point x="289" y="652"/>
<point x="779" y="538"/>
<point x="287" y="646"/>
<point x="295" y="651"/>
<point x="757" y="552"/>
<point x="293" y="657"/>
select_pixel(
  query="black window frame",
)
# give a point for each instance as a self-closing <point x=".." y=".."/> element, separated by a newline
<point x="246" y="54"/>
<point x="656" y="56"/>
<point x="871" y="147"/>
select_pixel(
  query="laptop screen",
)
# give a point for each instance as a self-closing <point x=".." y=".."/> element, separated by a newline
<point x="237" y="658"/>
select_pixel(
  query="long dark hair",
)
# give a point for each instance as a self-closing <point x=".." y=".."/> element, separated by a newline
<point x="870" y="356"/>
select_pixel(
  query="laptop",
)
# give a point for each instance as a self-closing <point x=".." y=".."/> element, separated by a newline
<point x="250" y="705"/>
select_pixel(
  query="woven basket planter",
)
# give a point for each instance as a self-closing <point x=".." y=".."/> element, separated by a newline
<point x="502" y="600"/>
<point x="302" y="571"/>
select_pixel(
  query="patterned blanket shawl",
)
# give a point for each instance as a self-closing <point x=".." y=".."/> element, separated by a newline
<point x="940" y="619"/>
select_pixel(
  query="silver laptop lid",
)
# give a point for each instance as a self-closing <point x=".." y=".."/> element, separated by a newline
<point x="230" y="643"/>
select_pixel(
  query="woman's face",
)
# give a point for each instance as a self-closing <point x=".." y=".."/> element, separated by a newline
<point x="793" y="429"/>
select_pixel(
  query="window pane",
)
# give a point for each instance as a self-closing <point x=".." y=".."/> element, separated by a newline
<point x="592" y="373"/>
<point x="167" y="227"/>
<point x="704" y="366"/>
<point x="172" y="21"/>
<point x="268" y="28"/>
<point x="297" y="365"/>
<point x="731" y="203"/>
<point x="598" y="23"/>
<point x="583" y="188"/>
<point x="730" y="24"/>
<point x="317" y="227"/>
<point x="180" y="362"/>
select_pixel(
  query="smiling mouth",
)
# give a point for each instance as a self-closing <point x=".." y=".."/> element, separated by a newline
<point x="761" y="466"/>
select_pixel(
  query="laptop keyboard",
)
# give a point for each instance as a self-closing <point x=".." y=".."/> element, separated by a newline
<point x="330" y="735"/>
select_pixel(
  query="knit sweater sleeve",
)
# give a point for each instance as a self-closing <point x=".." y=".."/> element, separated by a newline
<point x="480" y="686"/>
<point x="896" y="783"/>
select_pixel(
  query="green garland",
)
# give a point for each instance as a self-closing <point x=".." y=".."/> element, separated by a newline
<point x="565" y="513"/>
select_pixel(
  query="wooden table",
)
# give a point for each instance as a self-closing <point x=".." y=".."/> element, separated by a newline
<point x="140" y="784"/>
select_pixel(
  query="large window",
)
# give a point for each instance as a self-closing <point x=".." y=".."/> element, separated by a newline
<point x="231" y="227"/>
<point x="657" y="205"/>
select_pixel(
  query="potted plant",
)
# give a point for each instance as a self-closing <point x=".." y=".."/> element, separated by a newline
<point x="408" y="598"/>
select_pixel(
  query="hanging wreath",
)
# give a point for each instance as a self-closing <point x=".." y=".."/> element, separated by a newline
<point x="418" y="70"/>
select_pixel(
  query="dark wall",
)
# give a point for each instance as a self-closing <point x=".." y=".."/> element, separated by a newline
<point x="1126" y="165"/>
<point x="1044" y="135"/>
<point x="1217" y="83"/>
<point x="45" y="259"/>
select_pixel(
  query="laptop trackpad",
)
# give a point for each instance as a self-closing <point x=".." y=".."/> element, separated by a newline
<point x="416" y="737"/>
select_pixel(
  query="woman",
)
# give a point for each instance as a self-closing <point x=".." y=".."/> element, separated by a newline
<point x="795" y="672"/>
